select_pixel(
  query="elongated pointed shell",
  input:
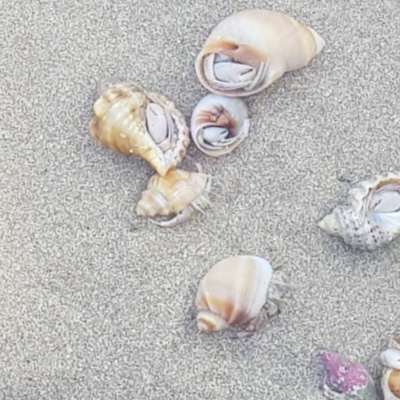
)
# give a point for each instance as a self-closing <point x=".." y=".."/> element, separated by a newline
<point x="219" y="124"/>
<point x="232" y="292"/>
<point x="373" y="217"/>
<point x="179" y="193"/>
<point x="131" y="121"/>
<point x="251" y="49"/>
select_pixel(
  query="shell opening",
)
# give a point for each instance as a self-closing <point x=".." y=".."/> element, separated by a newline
<point x="207" y="321"/>
<point x="159" y="125"/>
<point x="225" y="74"/>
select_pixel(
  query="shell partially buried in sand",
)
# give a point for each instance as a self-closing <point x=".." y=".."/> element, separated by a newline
<point x="132" y="121"/>
<point x="178" y="195"/>
<point x="219" y="124"/>
<point x="251" y="49"/>
<point x="239" y="291"/>
<point x="372" y="218"/>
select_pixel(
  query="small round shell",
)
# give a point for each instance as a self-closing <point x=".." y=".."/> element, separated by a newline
<point x="234" y="292"/>
<point x="131" y="121"/>
<point x="251" y="49"/>
<point x="372" y="218"/>
<point x="219" y="124"/>
<point x="178" y="193"/>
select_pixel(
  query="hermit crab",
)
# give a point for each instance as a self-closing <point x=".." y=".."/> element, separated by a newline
<point x="372" y="218"/>
<point x="239" y="291"/>
<point x="179" y="194"/>
<point x="344" y="379"/>
<point x="219" y="124"/>
<point x="390" y="379"/>
<point x="132" y="121"/>
<point x="251" y="49"/>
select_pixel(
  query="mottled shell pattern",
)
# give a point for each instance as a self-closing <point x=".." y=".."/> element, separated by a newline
<point x="390" y="379"/>
<point x="344" y="379"/>
<point x="251" y="49"/>
<point x="219" y="124"/>
<point x="179" y="194"/>
<point x="373" y="217"/>
<point x="131" y="121"/>
<point x="239" y="291"/>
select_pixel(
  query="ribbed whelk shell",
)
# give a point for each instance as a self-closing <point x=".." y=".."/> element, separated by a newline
<point x="179" y="193"/>
<point x="390" y="379"/>
<point x="373" y="217"/>
<point x="251" y="49"/>
<point x="130" y="120"/>
<point x="235" y="290"/>
<point x="219" y="124"/>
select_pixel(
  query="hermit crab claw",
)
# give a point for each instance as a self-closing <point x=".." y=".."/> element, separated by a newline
<point x="251" y="49"/>
<point x="219" y="124"/>
<point x="132" y="121"/>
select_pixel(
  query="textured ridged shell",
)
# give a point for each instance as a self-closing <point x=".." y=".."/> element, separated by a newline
<point x="131" y="121"/>
<point x="179" y="191"/>
<point x="373" y="217"/>
<point x="235" y="290"/>
<point x="251" y="49"/>
<point x="344" y="379"/>
<point x="219" y="124"/>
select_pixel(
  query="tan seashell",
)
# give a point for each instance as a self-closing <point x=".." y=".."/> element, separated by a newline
<point x="390" y="380"/>
<point x="373" y="217"/>
<point x="178" y="193"/>
<point x="236" y="291"/>
<point x="251" y="49"/>
<point x="219" y="124"/>
<point x="131" y="121"/>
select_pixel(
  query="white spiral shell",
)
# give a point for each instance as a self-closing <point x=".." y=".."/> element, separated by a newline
<point x="219" y="124"/>
<point x="251" y="49"/>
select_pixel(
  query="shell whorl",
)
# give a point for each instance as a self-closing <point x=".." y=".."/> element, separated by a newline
<point x="210" y="322"/>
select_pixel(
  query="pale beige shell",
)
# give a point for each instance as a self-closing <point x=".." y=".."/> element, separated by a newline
<point x="131" y="121"/>
<point x="179" y="193"/>
<point x="234" y="292"/>
<point x="372" y="218"/>
<point x="219" y="124"/>
<point x="251" y="49"/>
<point x="390" y="379"/>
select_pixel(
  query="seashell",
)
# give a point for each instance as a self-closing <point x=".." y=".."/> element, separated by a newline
<point x="239" y="291"/>
<point x="131" y="121"/>
<point x="219" y="124"/>
<point x="179" y="193"/>
<point x="251" y="49"/>
<point x="344" y="379"/>
<point x="390" y="379"/>
<point x="373" y="217"/>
